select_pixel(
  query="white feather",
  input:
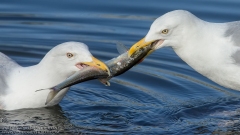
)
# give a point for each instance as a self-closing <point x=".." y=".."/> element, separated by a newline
<point x="206" y="47"/>
<point x="55" y="67"/>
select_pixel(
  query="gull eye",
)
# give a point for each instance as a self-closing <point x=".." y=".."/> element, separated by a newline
<point x="165" y="31"/>
<point x="69" y="55"/>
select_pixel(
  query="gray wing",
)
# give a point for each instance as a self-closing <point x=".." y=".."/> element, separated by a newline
<point x="233" y="30"/>
<point x="6" y="66"/>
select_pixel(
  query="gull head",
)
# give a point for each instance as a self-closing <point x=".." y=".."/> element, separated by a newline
<point x="169" y="29"/>
<point x="69" y="57"/>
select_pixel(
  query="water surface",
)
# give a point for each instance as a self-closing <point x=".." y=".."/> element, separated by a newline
<point x="162" y="95"/>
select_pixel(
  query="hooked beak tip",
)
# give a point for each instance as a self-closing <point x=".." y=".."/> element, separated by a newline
<point x="99" y="64"/>
<point x="140" y="44"/>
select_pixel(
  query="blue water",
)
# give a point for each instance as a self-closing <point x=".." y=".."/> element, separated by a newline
<point x="162" y="95"/>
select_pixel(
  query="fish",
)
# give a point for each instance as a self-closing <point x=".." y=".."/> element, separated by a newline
<point x="117" y="66"/>
<point x="82" y="75"/>
<point x="123" y="62"/>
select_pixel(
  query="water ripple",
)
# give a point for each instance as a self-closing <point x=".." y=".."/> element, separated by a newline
<point x="161" y="95"/>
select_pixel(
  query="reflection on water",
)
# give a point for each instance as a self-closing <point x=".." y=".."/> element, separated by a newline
<point x="162" y="95"/>
<point x="41" y="120"/>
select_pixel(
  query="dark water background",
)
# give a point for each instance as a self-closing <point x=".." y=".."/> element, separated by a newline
<point x="162" y="95"/>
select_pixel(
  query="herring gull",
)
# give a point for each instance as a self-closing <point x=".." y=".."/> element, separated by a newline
<point x="212" y="49"/>
<point x="18" y="84"/>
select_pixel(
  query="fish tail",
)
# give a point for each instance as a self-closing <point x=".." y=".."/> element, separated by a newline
<point x="45" y="89"/>
<point x="40" y="90"/>
<point x="53" y="92"/>
<point x="51" y="95"/>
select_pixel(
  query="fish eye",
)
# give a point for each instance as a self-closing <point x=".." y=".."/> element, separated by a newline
<point x="69" y="55"/>
<point x="165" y="31"/>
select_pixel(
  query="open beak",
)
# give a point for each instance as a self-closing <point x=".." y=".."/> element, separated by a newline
<point x="140" y="44"/>
<point x="99" y="64"/>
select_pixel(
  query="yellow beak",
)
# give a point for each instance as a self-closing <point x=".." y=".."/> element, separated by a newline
<point x="99" y="64"/>
<point x="140" y="44"/>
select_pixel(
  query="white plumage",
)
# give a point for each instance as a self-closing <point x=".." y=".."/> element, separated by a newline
<point x="212" y="49"/>
<point x="18" y="84"/>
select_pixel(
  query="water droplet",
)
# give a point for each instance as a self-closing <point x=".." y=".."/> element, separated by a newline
<point x="119" y="63"/>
